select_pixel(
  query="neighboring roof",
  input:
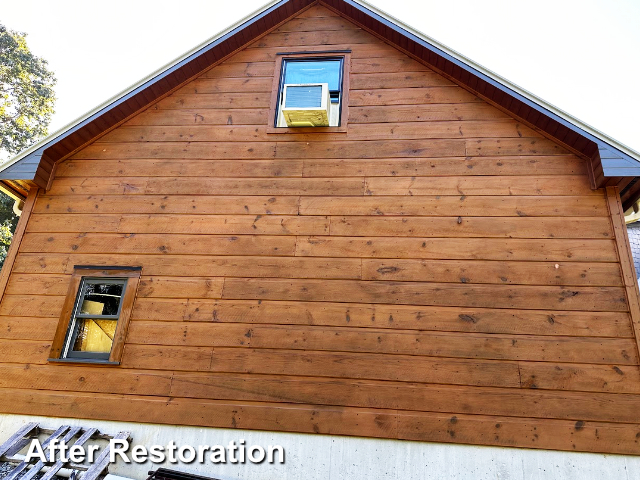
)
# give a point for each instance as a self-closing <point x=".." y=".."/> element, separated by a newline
<point x="612" y="163"/>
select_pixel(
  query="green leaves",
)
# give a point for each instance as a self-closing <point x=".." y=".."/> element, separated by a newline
<point x="26" y="93"/>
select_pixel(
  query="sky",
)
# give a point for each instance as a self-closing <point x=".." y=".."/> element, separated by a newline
<point x="581" y="56"/>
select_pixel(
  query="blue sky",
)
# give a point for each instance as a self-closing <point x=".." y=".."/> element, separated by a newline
<point x="581" y="56"/>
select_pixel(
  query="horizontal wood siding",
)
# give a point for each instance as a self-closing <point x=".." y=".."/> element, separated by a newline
<point x="438" y="272"/>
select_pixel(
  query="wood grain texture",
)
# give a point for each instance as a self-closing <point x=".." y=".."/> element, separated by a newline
<point x="438" y="271"/>
<point x="16" y="240"/>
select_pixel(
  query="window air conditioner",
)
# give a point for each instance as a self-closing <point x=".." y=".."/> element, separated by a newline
<point x="306" y="104"/>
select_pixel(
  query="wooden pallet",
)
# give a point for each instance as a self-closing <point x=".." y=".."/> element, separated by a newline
<point x="28" y="470"/>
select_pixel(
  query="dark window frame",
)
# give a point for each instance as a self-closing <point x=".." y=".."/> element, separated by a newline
<point x="67" y="329"/>
<point x="278" y="77"/>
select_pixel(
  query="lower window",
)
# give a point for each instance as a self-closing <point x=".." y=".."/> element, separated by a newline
<point x="94" y="320"/>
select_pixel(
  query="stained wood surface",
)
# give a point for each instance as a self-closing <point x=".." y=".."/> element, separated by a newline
<point x="438" y="272"/>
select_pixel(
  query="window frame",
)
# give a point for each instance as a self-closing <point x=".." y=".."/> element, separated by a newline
<point x="278" y="77"/>
<point x="67" y="331"/>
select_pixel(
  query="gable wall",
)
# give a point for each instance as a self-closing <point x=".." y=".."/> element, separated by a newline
<point x="439" y="272"/>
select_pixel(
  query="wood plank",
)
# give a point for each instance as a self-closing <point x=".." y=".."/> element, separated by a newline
<point x="384" y="341"/>
<point x="526" y="432"/>
<point x="198" y="287"/>
<point x="84" y="378"/>
<point x="167" y="358"/>
<point x="391" y="64"/>
<point x="503" y="273"/>
<point x="586" y="378"/>
<point x="27" y="328"/>
<point x="439" y="167"/>
<point x="180" y="167"/>
<point x="176" y="204"/>
<point x="22" y="432"/>
<point x="252" y="133"/>
<point x="404" y="368"/>
<point x="23" y="351"/>
<point x="570" y="185"/>
<point x="429" y="112"/>
<point x="507" y="273"/>
<point x="587" y="250"/>
<point x="180" y="287"/>
<point x="283" y="150"/>
<point x="411" y="96"/>
<point x="250" y="68"/>
<point x="406" y="396"/>
<point x="172" y="411"/>
<point x="454" y="319"/>
<point x="208" y="186"/>
<point x="181" y="224"/>
<point x="215" y="100"/>
<point x="458" y="227"/>
<point x="223" y="84"/>
<point x="595" y="299"/>
<point x="200" y="116"/>
<point x="113" y="243"/>
<point x="441" y="205"/>
<point x="293" y="40"/>
<point x="371" y="149"/>
<point x="102" y="462"/>
<point x="31" y="306"/>
<point x="198" y="265"/>
<point x="178" y="150"/>
<point x="372" y="81"/>
<point x="250" y="186"/>
<point x="522" y="146"/>
<point x="358" y="50"/>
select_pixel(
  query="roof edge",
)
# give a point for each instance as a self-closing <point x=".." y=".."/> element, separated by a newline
<point x="82" y="118"/>
<point x="497" y="78"/>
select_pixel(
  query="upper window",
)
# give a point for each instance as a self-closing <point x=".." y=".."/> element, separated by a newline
<point x="310" y="92"/>
<point x="95" y="316"/>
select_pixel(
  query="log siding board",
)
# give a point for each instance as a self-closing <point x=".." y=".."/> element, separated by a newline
<point x="440" y="271"/>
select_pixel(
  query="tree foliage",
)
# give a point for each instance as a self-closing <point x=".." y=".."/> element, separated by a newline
<point x="8" y="222"/>
<point x="26" y="93"/>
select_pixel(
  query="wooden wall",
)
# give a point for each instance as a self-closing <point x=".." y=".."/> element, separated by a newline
<point x="439" y="272"/>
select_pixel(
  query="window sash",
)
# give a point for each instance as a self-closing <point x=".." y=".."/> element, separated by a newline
<point x="74" y="325"/>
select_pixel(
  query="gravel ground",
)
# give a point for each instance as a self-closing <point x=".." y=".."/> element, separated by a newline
<point x="6" y="467"/>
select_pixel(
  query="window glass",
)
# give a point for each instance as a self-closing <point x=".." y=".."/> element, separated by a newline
<point x="101" y="298"/>
<point x="95" y="318"/>
<point x="94" y="335"/>
<point x="313" y="71"/>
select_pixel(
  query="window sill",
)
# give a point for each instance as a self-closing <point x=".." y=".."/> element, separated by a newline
<point x="82" y="360"/>
<point x="307" y="130"/>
